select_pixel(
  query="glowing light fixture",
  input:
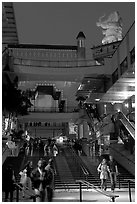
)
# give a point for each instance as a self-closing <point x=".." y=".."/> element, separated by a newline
<point x="126" y="105"/>
<point x="97" y="99"/>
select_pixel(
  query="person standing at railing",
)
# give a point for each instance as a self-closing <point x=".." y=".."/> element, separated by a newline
<point x="103" y="169"/>
<point x="113" y="172"/>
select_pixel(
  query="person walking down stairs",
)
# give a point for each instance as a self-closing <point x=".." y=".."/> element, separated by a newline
<point x="103" y="169"/>
<point x="113" y="172"/>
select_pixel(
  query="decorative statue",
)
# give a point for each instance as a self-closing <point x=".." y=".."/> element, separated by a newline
<point x="112" y="27"/>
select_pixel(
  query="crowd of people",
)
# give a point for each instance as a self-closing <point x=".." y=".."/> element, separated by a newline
<point x="39" y="180"/>
<point x="36" y="146"/>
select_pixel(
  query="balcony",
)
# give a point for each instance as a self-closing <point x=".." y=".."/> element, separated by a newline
<point x="53" y="110"/>
<point x="51" y="114"/>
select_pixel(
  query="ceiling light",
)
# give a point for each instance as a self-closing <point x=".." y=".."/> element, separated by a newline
<point x="97" y="99"/>
<point x="126" y="105"/>
<point x="80" y="86"/>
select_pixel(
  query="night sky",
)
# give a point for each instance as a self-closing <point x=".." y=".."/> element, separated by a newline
<point x="60" y="22"/>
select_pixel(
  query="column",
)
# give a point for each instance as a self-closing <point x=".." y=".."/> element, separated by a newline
<point x="80" y="131"/>
<point x="85" y="129"/>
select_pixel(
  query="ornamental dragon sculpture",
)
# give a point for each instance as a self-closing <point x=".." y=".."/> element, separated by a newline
<point x="112" y="27"/>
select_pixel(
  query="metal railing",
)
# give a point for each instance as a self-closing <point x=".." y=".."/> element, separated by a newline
<point x="112" y="196"/>
<point x="30" y="194"/>
<point x="56" y="64"/>
<point x="128" y="125"/>
<point x="80" y="168"/>
<point x="54" y="110"/>
<point x="129" y="187"/>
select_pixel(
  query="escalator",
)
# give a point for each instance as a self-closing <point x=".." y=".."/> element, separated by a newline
<point x="122" y="139"/>
<point x="124" y="151"/>
<point x="130" y="127"/>
<point x="126" y="131"/>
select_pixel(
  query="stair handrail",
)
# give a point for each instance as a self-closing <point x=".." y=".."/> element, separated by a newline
<point x="88" y="184"/>
<point x="5" y="149"/>
<point x="32" y="195"/>
<point x="76" y="158"/>
<point x="132" y="130"/>
<point x="121" y="154"/>
<point x="124" y="116"/>
<point x="85" y="171"/>
<point x="6" y="48"/>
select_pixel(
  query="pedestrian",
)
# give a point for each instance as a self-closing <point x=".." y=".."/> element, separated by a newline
<point x="50" y="180"/>
<point x="29" y="168"/>
<point x="46" y="150"/>
<point x="113" y="172"/>
<point x="39" y="178"/>
<point x="55" y="150"/>
<point x="23" y="180"/>
<point x="8" y="183"/>
<point x="103" y="170"/>
<point x="27" y="149"/>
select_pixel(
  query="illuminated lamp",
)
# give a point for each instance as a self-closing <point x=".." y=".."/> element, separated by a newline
<point x="133" y="105"/>
<point x="126" y="105"/>
<point x="97" y="99"/>
<point x="61" y="139"/>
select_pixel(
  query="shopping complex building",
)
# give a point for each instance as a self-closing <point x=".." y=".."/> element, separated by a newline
<point x="73" y="99"/>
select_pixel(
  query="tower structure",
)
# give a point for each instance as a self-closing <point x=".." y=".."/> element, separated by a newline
<point x="81" y="45"/>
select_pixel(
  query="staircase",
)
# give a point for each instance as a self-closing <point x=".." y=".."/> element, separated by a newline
<point x="92" y="164"/>
<point x="69" y="170"/>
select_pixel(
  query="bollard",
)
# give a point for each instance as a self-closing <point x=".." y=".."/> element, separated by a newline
<point x="17" y="194"/>
<point x="80" y="189"/>
<point x="129" y="191"/>
<point x="119" y="181"/>
<point x="34" y="198"/>
<point x="113" y="199"/>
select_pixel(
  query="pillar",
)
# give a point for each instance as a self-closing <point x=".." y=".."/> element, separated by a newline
<point x="80" y="131"/>
<point x="85" y="129"/>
